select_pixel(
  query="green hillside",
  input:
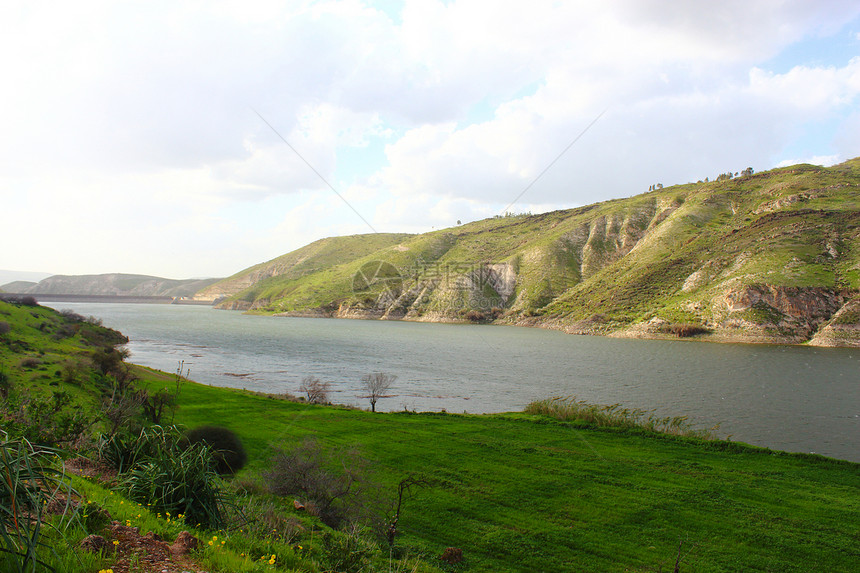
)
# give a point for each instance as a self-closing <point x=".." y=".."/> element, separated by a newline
<point x="253" y="284"/>
<point x="773" y="256"/>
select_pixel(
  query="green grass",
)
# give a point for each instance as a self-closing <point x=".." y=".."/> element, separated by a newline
<point x="40" y="336"/>
<point x="520" y="492"/>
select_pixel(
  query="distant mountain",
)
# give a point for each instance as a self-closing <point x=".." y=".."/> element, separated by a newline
<point x="7" y="276"/>
<point x="18" y="286"/>
<point x="111" y="285"/>
<point x="767" y="257"/>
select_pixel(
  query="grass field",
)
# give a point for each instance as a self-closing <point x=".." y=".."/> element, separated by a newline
<point x="525" y="493"/>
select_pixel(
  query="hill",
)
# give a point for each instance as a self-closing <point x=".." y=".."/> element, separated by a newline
<point x="18" y="286"/>
<point x="110" y="285"/>
<point x="767" y="257"/>
<point x="308" y="260"/>
<point x="7" y="276"/>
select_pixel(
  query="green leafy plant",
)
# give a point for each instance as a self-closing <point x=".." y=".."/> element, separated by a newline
<point x="47" y="420"/>
<point x="29" y="482"/>
<point x="156" y="469"/>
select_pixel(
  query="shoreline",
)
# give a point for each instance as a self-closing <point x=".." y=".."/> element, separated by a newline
<point x="849" y="337"/>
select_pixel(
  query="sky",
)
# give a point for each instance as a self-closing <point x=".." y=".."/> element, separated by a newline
<point x="196" y="139"/>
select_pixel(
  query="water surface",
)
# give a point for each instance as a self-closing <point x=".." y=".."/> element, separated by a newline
<point x="792" y="398"/>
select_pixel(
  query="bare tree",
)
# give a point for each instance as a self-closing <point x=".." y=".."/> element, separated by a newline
<point x="316" y="390"/>
<point x="376" y="385"/>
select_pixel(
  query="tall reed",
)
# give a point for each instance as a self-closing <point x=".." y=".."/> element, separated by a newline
<point x="568" y="408"/>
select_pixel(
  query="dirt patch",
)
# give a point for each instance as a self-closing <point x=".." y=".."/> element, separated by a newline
<point x="150" y="553"/>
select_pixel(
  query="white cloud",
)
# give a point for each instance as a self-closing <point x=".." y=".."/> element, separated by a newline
<point x="823" y="160"/>
<point x="139" y="118"/>
<point x="811" y="90"/>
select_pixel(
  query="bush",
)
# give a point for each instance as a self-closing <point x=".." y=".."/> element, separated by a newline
<point x="156" y="469"/>
<point x="227" y="449"/>
<point x="48" y="420"/>
<point x="72" y="372"/>
<point x="4" y="328"/>
<point x="684" y="330"/>
<point x="71" y="315"/>
<point x="315" y="389"/>
<point x="350" y="551"/>
<point x="30" y="362"/>
<point x="109" y="360"/>
<point x="5" y="385"/>
<point x="331" y="483"/>
<point x="475" y="316"/>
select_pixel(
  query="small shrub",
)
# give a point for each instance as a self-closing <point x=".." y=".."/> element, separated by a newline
<point x="156" y="404"/>
<point x="72" y="372"/>
<point x="452" y="555"/>
<point x="349" y="551"/>
<point x="4" y="328"/>
<point x="100" y="336"/>
<point x="30" y="362"/>
<point x="227" y="449"/>
<point x="93" y="517"/>
<point x="121" y="406"/>
<point x="71" y="315"/>
<point x="315" y="389"/>
<point x="684" y="330"/>
<point x="157" y="469"/>
<point x="48" y="420"/>
<point x="5" y="385"/>
<point x="65" y="331"/>
<point x="331" y="482"/>
<point x="181" y="483"/>
<point x="109" y="360"/>
<point x="475" y="316"/>
<point x="121" y="451"/>
<point x="687" y="330"/>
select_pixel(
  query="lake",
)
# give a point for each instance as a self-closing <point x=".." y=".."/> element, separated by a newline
<point x="800" y="399"/>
